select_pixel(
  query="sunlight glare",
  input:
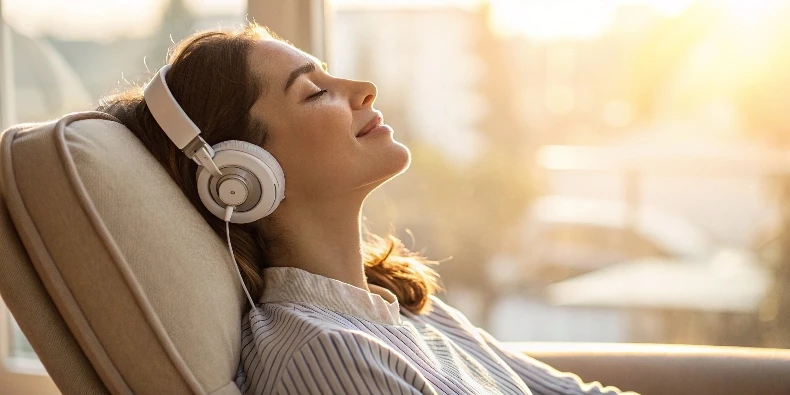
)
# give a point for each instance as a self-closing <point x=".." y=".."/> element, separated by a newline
<point x="547" y="20"/>
<point x="567" y="19"/>
<point x="749" y="12"/>
<point x="668" y="8"/>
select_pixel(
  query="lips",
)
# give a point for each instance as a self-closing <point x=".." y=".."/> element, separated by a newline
<point x="376" y="121"/>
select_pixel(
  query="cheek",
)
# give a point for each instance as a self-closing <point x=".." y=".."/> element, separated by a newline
<point x="319" y="148"/>
<point x="324" y="133"/>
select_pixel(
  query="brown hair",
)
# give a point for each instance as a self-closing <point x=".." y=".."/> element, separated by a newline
<point x="217" y="95"/>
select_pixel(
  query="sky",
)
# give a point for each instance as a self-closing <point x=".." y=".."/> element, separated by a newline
<point x="105" y="20"/>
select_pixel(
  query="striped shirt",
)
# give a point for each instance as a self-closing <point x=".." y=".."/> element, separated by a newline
<point x="315" y="335"/>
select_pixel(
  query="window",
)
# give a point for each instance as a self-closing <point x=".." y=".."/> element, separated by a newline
<point x="20" y="370"/>
<point x="597" y="170"/>
<point x="20" y="347"/>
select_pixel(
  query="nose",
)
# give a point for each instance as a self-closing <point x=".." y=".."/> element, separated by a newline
<point x="364" y="95"/>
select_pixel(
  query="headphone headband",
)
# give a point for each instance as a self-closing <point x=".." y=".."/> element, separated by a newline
<point x="167" y="112"/>
<point x="176" y="123"/>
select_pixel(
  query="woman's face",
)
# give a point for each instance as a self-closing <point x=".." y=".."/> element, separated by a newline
<point x="314" y="120"/>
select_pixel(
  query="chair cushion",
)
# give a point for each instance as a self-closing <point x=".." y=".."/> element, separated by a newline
<point x="145" y="285"/>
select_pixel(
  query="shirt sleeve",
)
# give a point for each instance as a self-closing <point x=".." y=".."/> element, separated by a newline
<point x="349" y="363"/>
<point x="542" y="379"/>
<point x="539" y="377"/>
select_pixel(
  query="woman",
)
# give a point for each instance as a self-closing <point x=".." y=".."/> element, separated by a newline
<point x="336" y="314"/>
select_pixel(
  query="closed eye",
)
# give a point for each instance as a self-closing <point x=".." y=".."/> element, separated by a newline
<point x="316" y="95"/>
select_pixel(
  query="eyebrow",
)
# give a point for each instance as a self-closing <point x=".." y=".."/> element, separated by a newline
<point x="307" y="68"/>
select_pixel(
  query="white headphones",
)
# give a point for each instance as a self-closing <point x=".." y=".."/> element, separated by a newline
<point x="237" y="181"/>
<point x="233" y="176"/>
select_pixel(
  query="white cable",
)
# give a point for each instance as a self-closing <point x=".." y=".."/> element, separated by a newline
<point x="228" y="213"/>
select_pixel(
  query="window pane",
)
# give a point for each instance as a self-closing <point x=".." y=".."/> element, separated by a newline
<point x="597" y="170"/>
<point x="66" y="55"/>
<point x="20" y="348"/>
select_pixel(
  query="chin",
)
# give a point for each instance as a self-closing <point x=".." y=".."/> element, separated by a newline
<point x="401" y="158"/>
<point x="394" y="161"/>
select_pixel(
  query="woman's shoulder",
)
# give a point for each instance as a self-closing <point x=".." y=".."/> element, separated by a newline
<point x="279" y="335"/>
<point x="295" y="317"/>
<point x="442" y="314"/>
<point x="287" y="327"/>
<point x="296" y="322"/>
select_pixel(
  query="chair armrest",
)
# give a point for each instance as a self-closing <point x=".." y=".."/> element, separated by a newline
<point x="669" y="369"/>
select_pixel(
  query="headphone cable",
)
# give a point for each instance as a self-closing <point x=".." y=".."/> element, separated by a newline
<point x="228" y="212"/>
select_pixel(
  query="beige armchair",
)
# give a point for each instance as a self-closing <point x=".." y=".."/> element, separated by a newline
<point x="121" y="287"/>
<point x="115" y="278"/>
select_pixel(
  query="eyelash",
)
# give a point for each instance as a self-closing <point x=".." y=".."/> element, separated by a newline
<point x="316" y="95"/>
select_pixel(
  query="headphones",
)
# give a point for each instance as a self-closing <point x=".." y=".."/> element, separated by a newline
<point x="233" y="176"/>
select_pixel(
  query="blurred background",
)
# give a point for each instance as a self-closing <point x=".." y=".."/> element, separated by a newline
<point x="586" y="170"/>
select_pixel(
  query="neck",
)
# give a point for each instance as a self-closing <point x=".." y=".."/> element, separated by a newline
<point x="321" y="238"/>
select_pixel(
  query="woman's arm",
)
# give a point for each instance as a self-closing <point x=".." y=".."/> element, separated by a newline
<point x="542" y="379"/>
<point x="349" y="363"/>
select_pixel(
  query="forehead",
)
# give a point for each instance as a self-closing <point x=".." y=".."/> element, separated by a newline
<point x="274" y="60"/>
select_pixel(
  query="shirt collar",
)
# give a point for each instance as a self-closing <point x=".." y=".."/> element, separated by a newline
<point x="290" y="284"/>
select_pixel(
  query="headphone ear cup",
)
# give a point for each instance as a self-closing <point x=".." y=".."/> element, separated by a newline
<point x="258" y="152"/>
<point x="257" y="168"/>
